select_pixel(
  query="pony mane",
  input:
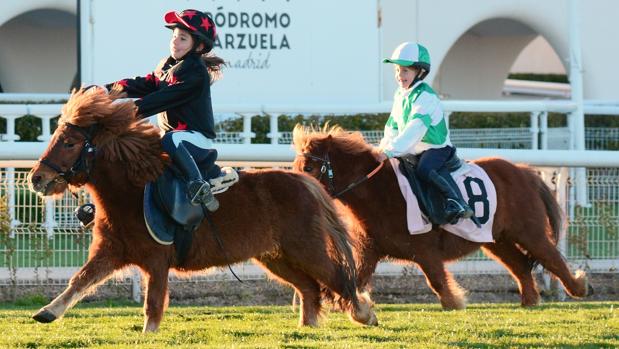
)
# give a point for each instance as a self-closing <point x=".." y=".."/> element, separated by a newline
<point x="119" y="134"/>
<point x="351" y="142"/>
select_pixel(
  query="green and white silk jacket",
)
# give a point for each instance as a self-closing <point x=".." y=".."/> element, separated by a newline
<point x="416" y="123"/>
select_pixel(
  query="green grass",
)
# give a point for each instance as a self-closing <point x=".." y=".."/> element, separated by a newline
<point x="553" y="325"/>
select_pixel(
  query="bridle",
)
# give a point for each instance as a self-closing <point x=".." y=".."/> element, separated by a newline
<point x="325" y="167"/>
<point x="82" y="163"/>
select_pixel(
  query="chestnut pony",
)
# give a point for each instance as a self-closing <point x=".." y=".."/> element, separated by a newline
<point x="526" y="224"/>
<point x="285" y="221"/>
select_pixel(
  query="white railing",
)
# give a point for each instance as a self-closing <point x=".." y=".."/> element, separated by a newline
<point x="538" y="113"/>
<point x="48" y="245"/>
<point x="57" y="224"/>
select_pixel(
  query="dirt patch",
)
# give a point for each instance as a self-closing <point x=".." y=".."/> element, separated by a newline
<point x="386" y="289"/>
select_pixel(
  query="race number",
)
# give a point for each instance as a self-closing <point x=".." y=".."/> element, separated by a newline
<point x="481" y="197"/>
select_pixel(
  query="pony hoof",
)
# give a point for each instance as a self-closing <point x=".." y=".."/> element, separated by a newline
<point x="44" y="316"/>
<point x="373" y="321"/>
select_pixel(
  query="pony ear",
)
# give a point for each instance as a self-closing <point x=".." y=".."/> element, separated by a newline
<point x="328" y="142"/>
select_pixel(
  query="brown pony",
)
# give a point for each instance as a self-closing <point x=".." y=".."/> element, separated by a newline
<point x="526" y="224"/>
<point x="283" y="220"/>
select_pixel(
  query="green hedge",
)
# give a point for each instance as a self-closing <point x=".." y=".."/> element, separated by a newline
<point x="28" y="127"/>
<point x="260" y="123"/>
<point x="540" y="77"/>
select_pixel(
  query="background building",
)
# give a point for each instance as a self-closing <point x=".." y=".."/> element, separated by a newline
<point x="304" y="52"/>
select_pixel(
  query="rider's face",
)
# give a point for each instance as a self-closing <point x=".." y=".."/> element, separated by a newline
<point x="405" y="75"/>
<point x="180" y="43"/>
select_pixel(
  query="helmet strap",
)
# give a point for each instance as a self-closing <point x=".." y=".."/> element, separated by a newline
<point x="196" y="43"/>
<point x="421" y="74"/>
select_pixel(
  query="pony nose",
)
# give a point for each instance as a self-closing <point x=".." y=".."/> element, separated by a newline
<point x="36" y="179"/>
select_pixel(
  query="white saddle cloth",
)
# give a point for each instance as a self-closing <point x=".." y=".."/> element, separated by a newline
<point x="483" y="193"/>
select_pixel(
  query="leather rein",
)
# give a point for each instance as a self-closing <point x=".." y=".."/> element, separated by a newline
<point x="325" y="167"/>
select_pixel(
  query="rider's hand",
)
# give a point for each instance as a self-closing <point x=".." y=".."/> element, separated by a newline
<point x="382" y="156"/>
<point x="96" y="88"/>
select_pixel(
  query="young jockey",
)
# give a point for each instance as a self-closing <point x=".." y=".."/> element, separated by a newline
<point x="417" y="124"/>
<point x="179" y="91"/>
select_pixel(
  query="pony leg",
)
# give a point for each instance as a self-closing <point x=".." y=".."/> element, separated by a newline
<point x="156" y="298"/>
<point x="305" y="286"/>
<point x="449" y="293"/>
<point x="519" y="266"/>
<point x="366" y="262"/>
<point x="95" y="271"/>
<point x="544" y="251"/>
<point x="366" y="266"/>
<point x="357" y="304"/>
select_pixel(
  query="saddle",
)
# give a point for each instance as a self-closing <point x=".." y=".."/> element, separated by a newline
<point x="431" y="200"/>
<point x="168" y="213"/>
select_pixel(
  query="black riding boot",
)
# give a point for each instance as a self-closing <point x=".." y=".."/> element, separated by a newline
<point x="198" y="189"/>
<point x="455" y="207"/>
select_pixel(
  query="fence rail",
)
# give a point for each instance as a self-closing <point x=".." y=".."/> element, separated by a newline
<point x="45" y="243"/>
<point x="45" y="239"/>
<point x="19" y="105"/>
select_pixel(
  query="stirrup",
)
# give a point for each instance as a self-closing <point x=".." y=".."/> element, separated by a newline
<point x="463" y="211"/>
<point x="197" y="191"/>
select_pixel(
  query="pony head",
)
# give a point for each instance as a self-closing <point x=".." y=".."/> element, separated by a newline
<point x="323" y="152"/>
<point x="94" y="124"/>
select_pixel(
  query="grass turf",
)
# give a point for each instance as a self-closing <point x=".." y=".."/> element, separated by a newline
<point x="112" y="325"/>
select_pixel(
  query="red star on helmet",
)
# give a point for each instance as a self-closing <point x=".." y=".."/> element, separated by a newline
<point x="206" y="24"/>
<point x="189" y="14"/>
<point x="123" y="82"/>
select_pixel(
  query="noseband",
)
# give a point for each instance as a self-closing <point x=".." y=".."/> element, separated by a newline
<point x="81" y="164"/>
<point x="325" y="167"/>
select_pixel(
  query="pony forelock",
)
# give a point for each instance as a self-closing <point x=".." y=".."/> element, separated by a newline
<point x="351" y="142"/>
<point x="119" y="134"/>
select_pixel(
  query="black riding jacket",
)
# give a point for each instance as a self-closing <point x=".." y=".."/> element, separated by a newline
<point x="179" y="91"/>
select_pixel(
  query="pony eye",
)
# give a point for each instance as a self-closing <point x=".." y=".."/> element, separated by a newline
<point x="68" y="145"/>
<point x="307" y="168"/>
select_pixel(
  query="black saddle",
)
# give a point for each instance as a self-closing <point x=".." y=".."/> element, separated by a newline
<point x="431" y="200"/>
<point x="168" y="213"/>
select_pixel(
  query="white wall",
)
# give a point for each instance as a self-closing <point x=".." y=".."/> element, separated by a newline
<point x="10" y="9"/>
<point x="600" y="52"/>
<point x="538" y="57"/>
<point x="440" y="24"/>
<point x="330" y="53"/>
<point x="444" y="26"/>
<point x="39" y="52"/>
<point x="477" y="66"/>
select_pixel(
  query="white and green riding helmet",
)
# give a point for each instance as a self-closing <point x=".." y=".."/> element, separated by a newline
<point x="411" y="54"/>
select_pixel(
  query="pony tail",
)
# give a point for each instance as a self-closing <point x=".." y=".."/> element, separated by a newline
<point x="341" y="243"/>
<point x="213" y="65"/>
<point x="555" y="215"/>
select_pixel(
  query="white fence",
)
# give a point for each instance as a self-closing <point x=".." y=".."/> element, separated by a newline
<point x="46" y="242"/>
<point x="538" y="131"/>
<point x="46" y="245"/>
